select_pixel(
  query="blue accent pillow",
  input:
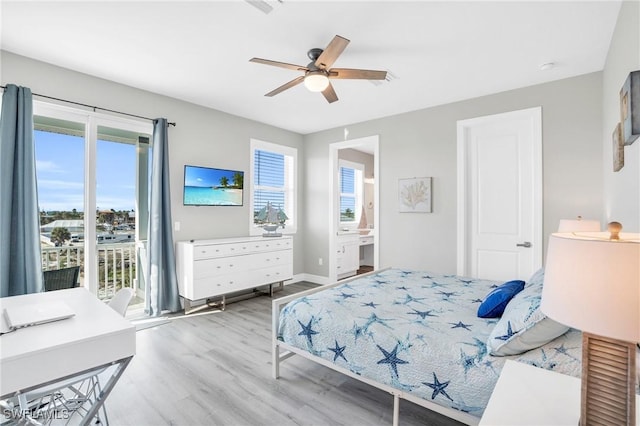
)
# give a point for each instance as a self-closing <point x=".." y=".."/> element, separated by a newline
<point x="494" y="304"/>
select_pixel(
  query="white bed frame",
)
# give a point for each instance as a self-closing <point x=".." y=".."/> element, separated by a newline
<point x="281" y="351"/>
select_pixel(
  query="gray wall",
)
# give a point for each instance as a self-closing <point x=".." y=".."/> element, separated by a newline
<point x="578" y="178"/>
<point x="202" y="137"/>
<point x="423" y="143"/>
<point x="621" y="189"/>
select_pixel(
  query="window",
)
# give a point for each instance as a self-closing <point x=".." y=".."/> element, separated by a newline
<point x="91" y="162"/>
<point x="351" y="191"/>
<point x="273" y="182"/>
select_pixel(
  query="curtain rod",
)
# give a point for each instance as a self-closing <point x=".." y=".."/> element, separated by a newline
<point x="94" y="107"/>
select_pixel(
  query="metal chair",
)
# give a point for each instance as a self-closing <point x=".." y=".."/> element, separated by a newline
<point x="59" y="279"/>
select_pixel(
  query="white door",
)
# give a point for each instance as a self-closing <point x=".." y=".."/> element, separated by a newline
<point x="500" y="195"/>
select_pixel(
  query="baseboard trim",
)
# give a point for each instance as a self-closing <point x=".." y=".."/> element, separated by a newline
<point x="315" y="279"/>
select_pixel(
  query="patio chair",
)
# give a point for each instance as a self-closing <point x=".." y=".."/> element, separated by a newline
<point x="59" y="279"/>
<point x="120" y="301"/>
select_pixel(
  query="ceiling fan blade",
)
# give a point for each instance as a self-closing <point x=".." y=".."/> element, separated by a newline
<point x="279" y="64"/>
<point x="347" y="73"/>
<point x="330" y="94"/>
<point x="260" y="5"/>
<point x="286" y="86"/>
<point x="331" y="52"/>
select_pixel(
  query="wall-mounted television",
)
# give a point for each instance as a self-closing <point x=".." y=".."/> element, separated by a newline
<point x="206" y="186"/>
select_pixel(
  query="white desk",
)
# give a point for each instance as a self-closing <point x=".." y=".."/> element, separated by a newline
<point x="41" y="355"/>
<point x="530" y="396"/>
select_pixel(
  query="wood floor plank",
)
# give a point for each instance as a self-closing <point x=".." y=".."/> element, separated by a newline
<point x="215" y="369"/>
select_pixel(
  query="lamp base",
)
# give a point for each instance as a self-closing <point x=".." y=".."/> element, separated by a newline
<point x="608" y="381"/>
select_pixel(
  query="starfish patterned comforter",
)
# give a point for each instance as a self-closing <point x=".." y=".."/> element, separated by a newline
<point x="417" y="332"/>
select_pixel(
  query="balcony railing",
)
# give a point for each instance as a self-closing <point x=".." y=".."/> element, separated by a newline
<point x="116" y="264"/>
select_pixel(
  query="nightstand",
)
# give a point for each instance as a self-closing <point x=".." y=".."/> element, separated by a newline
<point x="531" y="396"/>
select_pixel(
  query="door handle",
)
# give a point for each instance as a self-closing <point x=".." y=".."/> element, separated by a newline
<point x="526" y="244"/>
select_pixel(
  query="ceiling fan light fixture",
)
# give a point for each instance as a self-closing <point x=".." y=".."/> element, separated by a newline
<point x="316" y="81"/>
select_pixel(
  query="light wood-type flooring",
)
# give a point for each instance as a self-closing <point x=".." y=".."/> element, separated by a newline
<point x="214" y="368"/>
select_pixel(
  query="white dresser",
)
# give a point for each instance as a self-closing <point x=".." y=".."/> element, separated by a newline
<point x="213" y="268"/>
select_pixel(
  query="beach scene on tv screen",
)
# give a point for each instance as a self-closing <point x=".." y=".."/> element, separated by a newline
<point x="205" y="186"/>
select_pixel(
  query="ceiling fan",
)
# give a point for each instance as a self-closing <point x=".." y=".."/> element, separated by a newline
<point x="318" y="72"/>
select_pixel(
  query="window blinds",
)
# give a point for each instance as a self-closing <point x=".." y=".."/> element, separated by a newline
<point x="268" y="180"/>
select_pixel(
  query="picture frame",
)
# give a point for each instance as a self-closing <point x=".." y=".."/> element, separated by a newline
<point x="414" y="195"/>
<point x="618" y="148"/>
<point x="630" y="108"/>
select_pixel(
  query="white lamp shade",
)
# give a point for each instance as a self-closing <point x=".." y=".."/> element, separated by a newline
<point x="593" y="284"/>
<point x="316" y="81"/>
<point x="579" y="225"/>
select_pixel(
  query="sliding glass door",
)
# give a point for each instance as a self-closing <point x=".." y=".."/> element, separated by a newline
<point x="93" y="174"/>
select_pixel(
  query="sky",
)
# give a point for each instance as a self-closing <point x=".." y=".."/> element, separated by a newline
<point x="206" y="177"/>
<point x="60" y="171"/>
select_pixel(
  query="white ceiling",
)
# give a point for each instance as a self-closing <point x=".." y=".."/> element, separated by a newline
<point x="439" y="52"/>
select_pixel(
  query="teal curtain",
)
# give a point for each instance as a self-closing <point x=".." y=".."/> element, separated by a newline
<point x="161" y="284"/>
<point x="20" y="261"/>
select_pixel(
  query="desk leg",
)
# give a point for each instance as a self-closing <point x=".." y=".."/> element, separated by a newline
<point x="104" y="393"/>
<point x="78" y="395"/>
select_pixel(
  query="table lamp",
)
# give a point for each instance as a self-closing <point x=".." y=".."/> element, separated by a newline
<point x="592" y="283"/>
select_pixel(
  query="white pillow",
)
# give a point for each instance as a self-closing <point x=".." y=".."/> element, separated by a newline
<point x="523" y="326"/>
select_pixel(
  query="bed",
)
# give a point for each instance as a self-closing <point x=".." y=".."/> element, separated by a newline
<point x="417" y="336"/>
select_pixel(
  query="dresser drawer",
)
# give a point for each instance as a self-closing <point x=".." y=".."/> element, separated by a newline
<point x="273" y="258"/>
<point x="222" y="250"/>
<point x="213" y="286"/>
<point x="366" y="240"/>
<point x="217" y="266"/>
<point x="210" y="251"/>
<point x="270" y="275"/>
<point x="238" y="249"/>
<point x="279" y="244"/>
<point x="270" y="244"/>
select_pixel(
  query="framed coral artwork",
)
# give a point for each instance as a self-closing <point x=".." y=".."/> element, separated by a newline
<point x="414" y="195"/>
